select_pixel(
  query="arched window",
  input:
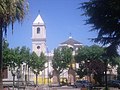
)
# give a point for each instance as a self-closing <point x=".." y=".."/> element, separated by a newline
<point x="38" y="30"/>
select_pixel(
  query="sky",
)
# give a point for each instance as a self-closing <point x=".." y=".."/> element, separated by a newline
<point x="61" y="18"/>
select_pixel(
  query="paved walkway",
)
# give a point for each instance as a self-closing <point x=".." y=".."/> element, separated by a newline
<point x="67" y="88"/>
<point x="56" y="88"/>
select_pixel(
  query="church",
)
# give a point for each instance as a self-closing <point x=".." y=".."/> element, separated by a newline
<point x="39" y="36"/>
<point x="39" y="45"/>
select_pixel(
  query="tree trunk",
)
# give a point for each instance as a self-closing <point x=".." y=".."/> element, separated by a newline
<point x="1" y="61"/>
<point x="36" y="79"/>
<point x="18" y="84"/>
<point x="13" y="81"/>
<point x="58" y="79"/>
<point x="28" y="72"/>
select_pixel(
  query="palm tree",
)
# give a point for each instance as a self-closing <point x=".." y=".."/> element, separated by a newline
<point x="10" y="11"/>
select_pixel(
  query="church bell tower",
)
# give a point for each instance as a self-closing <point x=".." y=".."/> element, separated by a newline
<point x="38" y="36"/>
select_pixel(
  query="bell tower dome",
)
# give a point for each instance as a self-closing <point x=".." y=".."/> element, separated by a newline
<point x="38" y="36"/>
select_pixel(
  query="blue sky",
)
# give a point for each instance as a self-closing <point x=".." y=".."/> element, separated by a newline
<point x="61" y="18"/>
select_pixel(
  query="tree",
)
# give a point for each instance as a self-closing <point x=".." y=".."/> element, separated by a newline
<point x="10" y="11"/>
<point x="25" y="52"/>
<point x="6" y="56"/>
<point x="13" y="63"/>
<point x="17" y="57"/>
<point x="37" y="64"/>
<point x="90" y="61"/>
<point x="93" y="52"/>
<point x="61" y="60"/>
<point x="13" y="58"/>
<point x="104" y="17"/>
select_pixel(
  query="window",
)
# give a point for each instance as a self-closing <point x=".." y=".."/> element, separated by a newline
<point x="38" y="30"/>
<point x="38" y="47"/>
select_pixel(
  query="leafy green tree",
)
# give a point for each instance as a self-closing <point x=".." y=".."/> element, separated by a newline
<point x="15" y="61"/>
<point x="10" y="11"/>
<point x="13" y="58"/>
<point x="16" y="55"/>
<point x="9" y="59"/>
<point x="37" y="64"/>
<point x="61" y="60"/>
<point x="6" y="55"/>
<point x="104" y="17"/>
<point x="86" y="53"/>
<point x="90" y="61"/>
<point x="25" y="52"/>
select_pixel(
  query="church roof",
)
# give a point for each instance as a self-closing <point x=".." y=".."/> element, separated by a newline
<point x="38" y="20"/>
<point x="71" y="41"/>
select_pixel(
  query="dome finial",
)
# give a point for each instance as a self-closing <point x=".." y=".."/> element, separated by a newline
<point x="38" y="11"/>
<point x="70" y="35"/>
